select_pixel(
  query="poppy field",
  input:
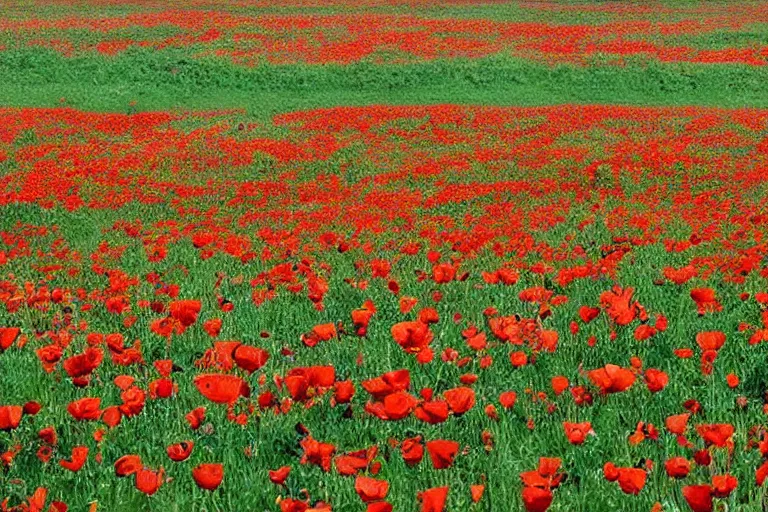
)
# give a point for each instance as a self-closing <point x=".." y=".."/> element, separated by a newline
<point x="383" y="256"/>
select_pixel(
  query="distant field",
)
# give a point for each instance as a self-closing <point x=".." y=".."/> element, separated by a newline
<point x="383" y="255"/>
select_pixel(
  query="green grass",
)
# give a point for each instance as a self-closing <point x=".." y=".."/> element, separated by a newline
<point x="170" y="80"/>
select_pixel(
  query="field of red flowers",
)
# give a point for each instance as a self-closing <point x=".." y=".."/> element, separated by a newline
<point x="417" y="308"/>
<point x="543" y="32"/>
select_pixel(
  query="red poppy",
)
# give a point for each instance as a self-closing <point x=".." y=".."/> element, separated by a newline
<point x="617" y="305"/>
<point x="476" y="492"/>
<point x="208" y="476"/>
<point x="184" y="311"/>
<point x="718" y="434"/>
<point x="536" y="499"/>
<point x="195" y="417"/>
<point x="656" y="380"/>
<point x="361" y="317"/>
<point x="127" y="465"/>
<point x="7" y="336"/>
<point x="710" y="340"/>
<point x="678" y="423"/>
<point x="10" y="416"/>
<point x="706" y="301"/>
<point x="559" y="384"/>
<point x="612" y="378"/>
<point x="399" y="405"/>
<point x="221" y="388"/>
<point x="588" y="314"/>
<point x="317" y="453"/>
<point x="48" y="435"/>
<point x="413" y="337"/>
<point x="371" y="489"/>
<point x="507" y="399"/>
<point x="433" y="411"/>
<point x="577" y="432"/>
<point x="412" y="450"/>
<point x="460" y="400"/>
<point x="83" y="364"/>
<point x="442" y="452"/>
<point x="77" y="460"/>
<point x="433" y="500"/>
<point x="343" y="391"/>
<point x="85" y="409"/>
<point x="723" y="485"/>
<point x="250" y="358"/>
<point x="379" y="506"/>
<point x="280" y="475"/>
<point x="149" y="481"/>
<point x="699" y="497"/>
<point x="180" y="451"/>
<point x="632" y="480"/>
<point x="352" y="463"/>
<point x="677" y="467"/>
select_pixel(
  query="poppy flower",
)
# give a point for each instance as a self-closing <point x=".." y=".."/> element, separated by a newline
<point x="442" y="452"/>
<point x="361" y="317"/>
<point x="195" y="417"/>
<point x="460" y="400"/>
<point x="618" y="306"/>
<point x="371" y="489"/>
<point x="133" y="401"/>
<point x="399" y="405"/>
<point x="433" y="500"/>
<point x="77" y="460"/>
<point x="536" y="499"/>
<point x="656" y="380"/>
<point x="48" y="435"/>
<point x="250" y="358"/>
<point x="631" y="480"/>
<point x="412" y="336"/>
<point x="723" y="485"/>
<point x="280" y="475"/>
<point x="677" y="467"/>
<point x="476" y="492"/>
<point x="7" y="336"/>
<point x="83" y="364"/>
<point x="717" y="434"/>
<point x="180" y="451"/>
<point x="412" y="450"/>
<point x="577" y="432"/>
<point x="706" y="300"/>
<point x="390" y="382"/>
<point x="10" y="416"/>
<point x="343" y="391"/>
<point x="678" y="423"/>
<point x="507" y="399"/>
<point x="149" y="481"/>
<point x="612" y="378"/>
<point x="208" y="476"/>
<point x="559" y="384"/>
<point x="710" y="340"/>
<point x="221" y="388"/>
<point x="85" y="409"/>
<point x="352" y="463"/>
<point x="761" y="474"/>
<point x="317" y="453"/>
<point x="518" y="358"/>
<point x="587" y="314"/>
<point x="127" y="465"/>
<point x="184" y="311"/>
<point x="699" y="497"/>
<point x="433" y="411"/>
